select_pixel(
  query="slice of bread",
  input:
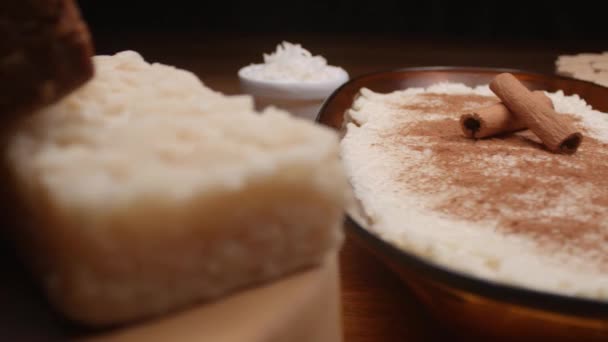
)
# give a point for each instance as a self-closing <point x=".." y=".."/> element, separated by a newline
<point x="45" y="53"/>
<point x="145" y="191"/>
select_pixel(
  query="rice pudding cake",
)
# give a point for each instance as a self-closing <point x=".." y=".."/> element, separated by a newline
<point x="503" y="209"/>
<point x="145" y="192"/>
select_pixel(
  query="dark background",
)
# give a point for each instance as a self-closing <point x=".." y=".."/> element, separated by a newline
<point x="551" y="20"/>
<point x="216" y="38"/>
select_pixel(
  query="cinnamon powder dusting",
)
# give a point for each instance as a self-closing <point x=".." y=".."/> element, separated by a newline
<point x="558" y="200"/>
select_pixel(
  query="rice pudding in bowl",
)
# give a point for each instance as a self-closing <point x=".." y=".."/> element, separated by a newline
<point x="502" y="209"/>
<point x="293" y="79"/>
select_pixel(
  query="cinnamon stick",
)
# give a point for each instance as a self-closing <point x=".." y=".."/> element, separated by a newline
<point x="557" y="133"/>
<point x="495" y="119"/>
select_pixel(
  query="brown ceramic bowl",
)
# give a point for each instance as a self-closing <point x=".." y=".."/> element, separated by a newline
<point x="467" y="303"/>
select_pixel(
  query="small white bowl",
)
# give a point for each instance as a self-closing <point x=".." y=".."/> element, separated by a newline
<point x="302" y="99"/>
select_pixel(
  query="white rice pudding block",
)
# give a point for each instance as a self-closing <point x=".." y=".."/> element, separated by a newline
<point x="145" y="191"/>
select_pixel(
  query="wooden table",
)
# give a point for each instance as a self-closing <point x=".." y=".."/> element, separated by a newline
<point x="376" y="306"/>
